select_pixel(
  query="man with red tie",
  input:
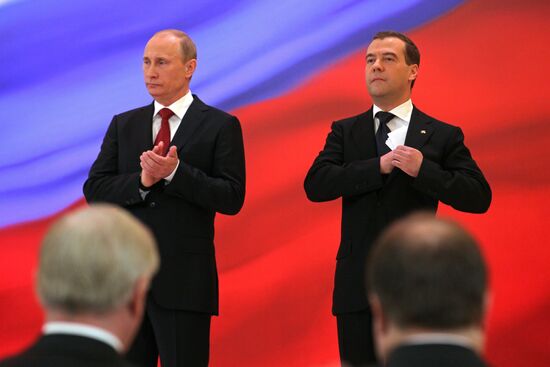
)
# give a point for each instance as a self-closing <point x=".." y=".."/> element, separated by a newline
<point x="173" y="164"/>
<point x="386" y="163"/>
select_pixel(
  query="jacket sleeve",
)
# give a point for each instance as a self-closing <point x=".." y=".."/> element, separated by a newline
<point x="457" y="181"/>
<point x="223" y="189"/>
<point x="330" y="177"/>
<point x="105" y="183"/>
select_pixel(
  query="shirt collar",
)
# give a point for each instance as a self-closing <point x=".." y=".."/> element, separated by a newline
<point x="74" y="328"/>
<point x="438" y="338"/>
<point x="179" y="107"/>
<point x="403" y="111"/>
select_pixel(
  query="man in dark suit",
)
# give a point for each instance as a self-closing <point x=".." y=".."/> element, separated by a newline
<point x="94" y="270"/>
<point x="174" y="164"/>
<point x="385" y="163"/>
<point x="427" y="285"/>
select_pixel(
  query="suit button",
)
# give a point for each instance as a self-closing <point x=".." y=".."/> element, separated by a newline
<point x="152" y="204"/>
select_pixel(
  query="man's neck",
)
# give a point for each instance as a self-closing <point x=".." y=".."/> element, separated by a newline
<point x="388" y="104"/>
<point x="106" y="322"/>
<point x="469" y="337"/>
<point x="168" y="102"/>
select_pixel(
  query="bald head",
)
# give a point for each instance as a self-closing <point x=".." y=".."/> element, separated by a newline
<point x="428" y="273"/>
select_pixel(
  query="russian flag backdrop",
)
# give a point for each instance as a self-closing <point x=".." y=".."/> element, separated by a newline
<point x="286" y="69"/>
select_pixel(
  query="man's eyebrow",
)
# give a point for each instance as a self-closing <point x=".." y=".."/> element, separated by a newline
<point x="388" y="53"/>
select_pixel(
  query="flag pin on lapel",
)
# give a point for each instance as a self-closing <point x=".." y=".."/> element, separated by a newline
<point x="422" y="131"/>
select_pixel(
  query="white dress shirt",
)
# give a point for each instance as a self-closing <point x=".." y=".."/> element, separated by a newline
<point x="179" y="108"/>
<point x="89" y="331"/>
<point x="401" y="120"/>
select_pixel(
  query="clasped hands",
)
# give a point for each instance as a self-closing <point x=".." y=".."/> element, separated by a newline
<point x="155" y="167"/>
<point x="405" y="158"/>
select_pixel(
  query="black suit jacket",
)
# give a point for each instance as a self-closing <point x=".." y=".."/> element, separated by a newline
<point x="210" y="178"/>
<point x="60" y="350"/>
<point x="434" y="355"/>
<point x="349" y="167"/>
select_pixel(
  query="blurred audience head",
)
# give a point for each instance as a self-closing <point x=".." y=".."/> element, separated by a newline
<point x="426" y="275"/>
<point x="95" y="267"/>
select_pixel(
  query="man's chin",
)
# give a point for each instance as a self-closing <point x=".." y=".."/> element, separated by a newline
<point x="154" y="93"/>
<point x="376" y="92"/>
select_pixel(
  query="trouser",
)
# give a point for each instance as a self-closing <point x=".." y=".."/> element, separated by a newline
<point x="355" y="339"/>
<point x="180" y="338"/>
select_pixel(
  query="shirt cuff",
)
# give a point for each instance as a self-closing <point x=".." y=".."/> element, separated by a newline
<point x="169" y="178"/>
<point x="143" y="193"/>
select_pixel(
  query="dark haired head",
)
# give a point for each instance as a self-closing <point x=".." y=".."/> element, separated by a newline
<point x="412" y="54"/>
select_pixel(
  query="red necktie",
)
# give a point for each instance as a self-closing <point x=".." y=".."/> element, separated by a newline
<point x="164" y="132"/>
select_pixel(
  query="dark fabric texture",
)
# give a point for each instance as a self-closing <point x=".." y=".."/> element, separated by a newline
<point x="355" y="339"/>
<point x="434" y="355"/>
<point x="61" y="350"/>
<point x="182" y="337"/>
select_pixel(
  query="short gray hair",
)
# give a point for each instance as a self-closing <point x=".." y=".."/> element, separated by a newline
<point x="91" y="258"/>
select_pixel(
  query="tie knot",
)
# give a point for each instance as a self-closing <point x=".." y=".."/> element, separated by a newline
<point x="384" y="117"/>
<point x="166" y="113"/>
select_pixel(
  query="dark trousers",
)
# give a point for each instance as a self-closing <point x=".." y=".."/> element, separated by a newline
<point x="181" y="338"/>
<point x="355" y="339"/>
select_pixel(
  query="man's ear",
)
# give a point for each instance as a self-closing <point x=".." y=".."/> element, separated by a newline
<point x="413" y="72"/>
<point x="379" y="319"/>
<point x="190" y="67"/>
<point x="380" y="328"/>
<point x="136" y="305"/>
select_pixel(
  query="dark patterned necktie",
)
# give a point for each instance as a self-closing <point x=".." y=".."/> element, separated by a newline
<point x="164" y="132"/>
<point x="383" y="131"/>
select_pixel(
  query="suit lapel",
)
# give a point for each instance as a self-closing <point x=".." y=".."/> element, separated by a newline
<point x="363" y="135"/>
<point x="144" y="133"/>
<point x="420" y="130"/>
<point x="190" y="122"/>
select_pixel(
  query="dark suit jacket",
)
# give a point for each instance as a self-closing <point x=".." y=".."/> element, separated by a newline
<point x="434" y="355"/>
<point x="349" y="167"/>
<point x="210" y="178"/>
<point x="60" y="350"/>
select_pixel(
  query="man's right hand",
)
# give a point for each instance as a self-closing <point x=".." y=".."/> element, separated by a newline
<point x="148" y="180"/>
<point x="385" y="163"/>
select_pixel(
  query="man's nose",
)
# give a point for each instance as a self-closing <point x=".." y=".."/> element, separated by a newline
<point x="150" y="71"/>
<point x="377" y="65"/>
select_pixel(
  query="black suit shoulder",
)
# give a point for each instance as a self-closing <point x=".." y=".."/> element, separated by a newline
<point x="434" y="355"/>
<point x="197" y="103"/>
<point x="134" y="111"/>
<point x="349" y="121"/>
<point x="67" y="351"/>
<point x="444" y="126"/>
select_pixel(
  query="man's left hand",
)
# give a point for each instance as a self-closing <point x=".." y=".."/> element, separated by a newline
<point x="157" y="165"/>
<point x="407" y="159"/>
